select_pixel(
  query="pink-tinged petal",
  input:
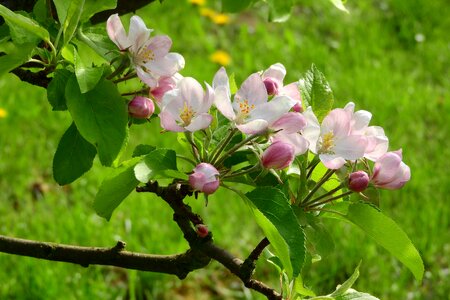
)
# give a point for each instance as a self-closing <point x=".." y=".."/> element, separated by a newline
<point x="337" y="121"/>
<point x="147" y="77"/>
<point x="386" y="167"/>
<point x="170" y="99"/>
<point x="168" y="122"/>
<point x="167" y="65"/>
<point x="138" y="33"/>
<point x="223" y="103"/>
<point x="402" y="176"/>
<point x="273" y="110"/>
<point x="360" y="120"/>
<point x="253" y="127"/>
<point x="275" y="72"/>
<point x="290" y="122"/>
<point x="278" y="156"/>
<point x="378" y="143"/>
<point x="221" y="79"/>
<point x="350" y="107"/>
<point x="165" y="84"/>
<point x="332" y="161"/>
<point x="253" y="90"/>
<point x="291" y="90"/>
<point x="116" y="32"/>
<point x="299" y="143"/>
<point x="159" y="45"/>
<point x="358" y="181"/>
<point x="191" y="92"/>
<point x="351" y="147"/>
<point x="210" y="187"/>
<point x="209" y="98"/>
<point x="199" y="122"/>
<point x="312" y="129"/>
<point x="204" y="178"/>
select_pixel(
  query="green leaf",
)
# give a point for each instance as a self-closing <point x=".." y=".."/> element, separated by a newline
<point x="72" y="19"/>
<point x="233" y="6"/>
<point x="87" y="77"/>
<point x="73" y="157"/>
<point x="95" y="38"/>
<point x="300" y="288"/>
<point x="319" y="237"/>
<point x="339" y="4"/>
<point x="317" y="93"/>
<point x="115" y="188"/>
<point x="142" y="149"/>
<point x="342" y="289"/>
<point x="387" y="234"/>
<point x="91" y="7"/>
<point x="25" y="23"/>
<point x="279" y="10"/>
<point x="62" y="6"/>
<point x="56" y="90"/>
<point x="160" y="163"/>
<point x="352" y="294"/>
<point x="274" y="205"/>
<point x="101" y="117"/>
<point x="15" y="58"/>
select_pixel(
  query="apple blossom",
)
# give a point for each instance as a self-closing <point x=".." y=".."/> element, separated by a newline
<point x="165" y="84"/>
<point x="250" y="111"/>
<point x="390" y="172"/>
<point x="333" y="139"/>
<point x="358" y="181"/>
<point x="141" y="107"/>
<point x="205" y="178"/>
<point x="150" y="56"/>
<point x="278" y="156"/>
<point x="186" y="107"/>
<point x="288" y="128"/>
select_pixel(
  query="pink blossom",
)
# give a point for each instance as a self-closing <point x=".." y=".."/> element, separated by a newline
<point x="390" y="172"/>
<point x="165" y="84"/>
<point x="288" y="128"/>
<point x="333" y="140"/>
<point x="141" y="107"/>
<point x="278" y="156"/>
<point x="150" y="56"/>
<point x="250" y="111"/>
<point x="358" y="181"/>
<point x="273" y="80"/>
<point x="186" y="107"/>
<point x="205" y="178"/>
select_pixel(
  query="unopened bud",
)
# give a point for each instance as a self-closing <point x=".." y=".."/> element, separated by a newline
<point x="205" y="178"/>
<point x="202" y="230"/>
<point x="141" y="107"/>
<point x="298" y="107"/>
<point x="278" y="156"/>
<point x="271" y="86"/>
<point x="358" y="181"/>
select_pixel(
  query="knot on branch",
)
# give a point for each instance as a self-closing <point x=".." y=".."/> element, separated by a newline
<point x="120" y="246"/>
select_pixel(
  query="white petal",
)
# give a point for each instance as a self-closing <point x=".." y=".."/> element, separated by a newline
<point x="191" y="92"/>
<point x="361" y="120"/>
<point x="312" y="129"/>
<point x="276" y="72"/>
<point x="253" y="90"/>
<point x="221" y="79"/>
<point x="138" y="33"/>
<point x="299" y="142"/>
<point x="116" y="32"/>
<point x="223" y="103"/>
<point x="332" y="161"/>
<point x="168" y="122"/>
<point x="337" y="121"/>
<point x="253" y="127"/>
<point x="147" y="78"/>
<point x="200" y="121"/>
<point x="291" y="90"/>
<point x="159" y="45"/>
<point x="350" y="107"/>
<point x="273" y="110"/>
<point x="351" y="147"/>
<point x="167" y="65"/>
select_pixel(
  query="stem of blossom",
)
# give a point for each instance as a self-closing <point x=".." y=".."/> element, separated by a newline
<point x="325" y="177"/>
<point x="312" y="166"/>
<point x="143" y="91"/>
<point x="194" y="148"/>
<point x="187" y="159"/>
<point x="235" y="148"/>
<point x="328" y="200"/>
<point x="329" y="193"/>
<point x="243" y="172"/>
<point x="216" y="152"/>
<point x="126" y="77"/>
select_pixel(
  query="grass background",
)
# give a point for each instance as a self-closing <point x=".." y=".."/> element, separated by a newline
<point x="390" y="57"/>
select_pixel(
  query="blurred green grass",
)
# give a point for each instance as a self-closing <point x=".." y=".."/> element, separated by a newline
<point x="389" y="57"/>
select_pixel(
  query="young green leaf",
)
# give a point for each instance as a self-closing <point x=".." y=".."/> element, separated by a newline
<point x="342" y="289"/>
<point x="160" y="163"/>
<point x="15" y="58"/>
<point x="115" y="188"/>
<point x="87" y="77"/>
<point x="56" y="90"/>
<point x="316" y="92"/>
<point x="274" y="205"/>
<point x="387" y="234"/>
<point x="279" y="10"/>
<point x="352" y="294"/>
<point x="73" y="157"/>
<point x="25" y="23"/>
<point x="100" y="115"/>
<point x="72" y="19"/>
<point x="91" y="7"/>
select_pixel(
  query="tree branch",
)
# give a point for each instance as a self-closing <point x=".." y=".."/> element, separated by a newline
<point x="178" y="264"/>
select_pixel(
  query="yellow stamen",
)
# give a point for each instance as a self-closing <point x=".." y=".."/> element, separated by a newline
<point x="245" y="110"/>
<point x="146" y="54"/>
<point x="327" y="143"/>
<point x="186" y="114"/>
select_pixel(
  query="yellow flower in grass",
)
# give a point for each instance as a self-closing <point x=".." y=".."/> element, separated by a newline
<point x="3" y="113"/>
<point x="220" y="57"/>
<point x="220" y="19"/>
<point x="207" y="12"/>
<point x="197" y="2"/>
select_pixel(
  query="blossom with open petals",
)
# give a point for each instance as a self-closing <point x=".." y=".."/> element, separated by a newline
<point x="150" y="56"/>
<point x="390" y="172"/>
<point x="377" y="141"/>
<point x="333" y="140"/>
<point x="273" y="80"/>
<point x="186" y="107"/>
<point x="250" y="111"/>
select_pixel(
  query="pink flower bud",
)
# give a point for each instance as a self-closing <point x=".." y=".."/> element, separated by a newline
<point x="202" y="230"/>
<point x="390" y="172"/>
<point x="141" y="107"/>
<point x="165" y="84"/>
<point x="271" y="86"/>
<point x="298" y="107"/>
<point x="358" y="181"/>
<point x="205" y="178"/>
<point x="278" y="155"/>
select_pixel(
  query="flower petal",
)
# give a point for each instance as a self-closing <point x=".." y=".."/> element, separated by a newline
<point x="138" y="33"/>
<point x="168" y="122"/>
<point x="191" y="92"/>
<point x="253" y="90"/>
<point x="200" y="121"/>
<point x="159" y="45"/>
<point x="291" y="90"/>
<point x="332" y="161"/>
<point x="273" y="110"/>
<point x="276" y="72"/>
<point x="146" y="77"/>
<point x="253" y="127"/>
<point x="116" y="32"/>
<point x="312" y="129"/>
<point x="299" y="143"/>
<point x="223" y="103"/>
<point x="290" y="122"/>
<point x="337" y="121"/>
<point x="351" y="147"/>
<point x="221" y="79"/>
<point x="167" y="65"/>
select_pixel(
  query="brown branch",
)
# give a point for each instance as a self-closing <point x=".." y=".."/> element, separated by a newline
<point x="178" y="264"/>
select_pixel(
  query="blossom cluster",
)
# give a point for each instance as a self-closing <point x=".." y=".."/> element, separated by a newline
<point x="276" y="124"/>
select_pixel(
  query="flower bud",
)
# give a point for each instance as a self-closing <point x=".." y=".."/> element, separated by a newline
<point x="141" y="107"/>
<point x="165" y="84"/>
<point x="298" y="107"/>
<point x="202" y="230"/>
<point x="390" y="172"/>
<point x="358" y="181"/>
<point x="278" y="156"/>
<point x="271" y="86"/>
<point x="205" y="178"/>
